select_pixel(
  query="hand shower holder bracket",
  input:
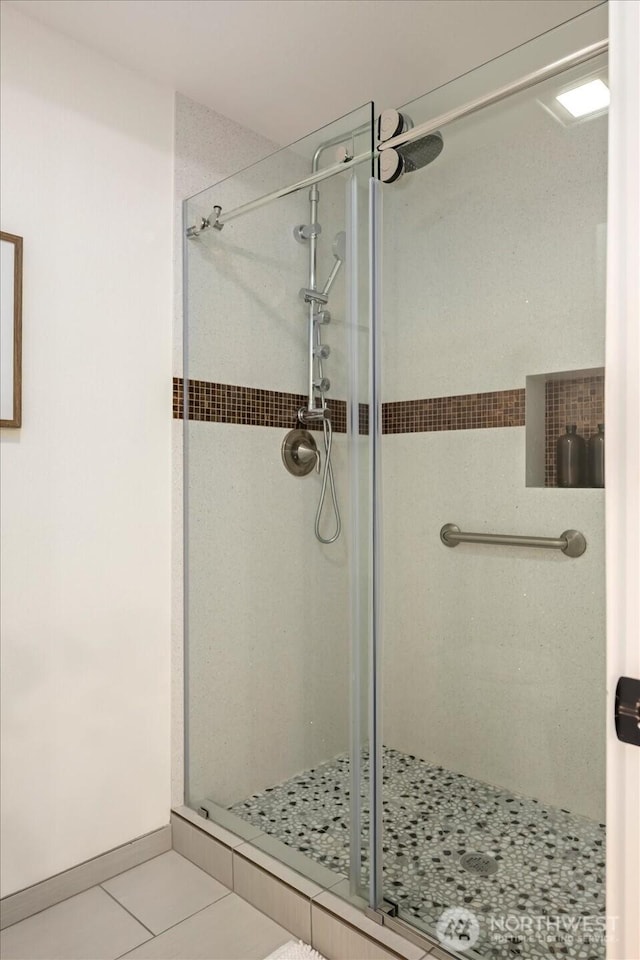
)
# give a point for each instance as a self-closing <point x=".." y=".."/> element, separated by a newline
<point x="313" y="296"/>
<point x="306" y="231"/>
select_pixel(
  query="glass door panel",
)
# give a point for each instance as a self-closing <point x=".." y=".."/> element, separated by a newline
<point x="493" y="663"/>
<point x="271" y="664"/>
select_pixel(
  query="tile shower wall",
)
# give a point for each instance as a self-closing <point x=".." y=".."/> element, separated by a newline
<point x="208" y="147"/>
<point x="494" y="257"/>
<point x="268" y="614"/>
<point x="494" y="269"/>
<point x="268" y="636"/>
<point x="483" y="644"/>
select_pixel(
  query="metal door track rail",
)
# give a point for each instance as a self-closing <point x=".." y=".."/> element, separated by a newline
<point x="571" y="542"/>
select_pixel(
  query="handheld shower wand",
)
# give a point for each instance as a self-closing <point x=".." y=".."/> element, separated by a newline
<point x="339" y="249"/>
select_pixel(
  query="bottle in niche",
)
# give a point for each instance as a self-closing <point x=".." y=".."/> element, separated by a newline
<point x="570" y="458"/>
<point x="596" y="458"/>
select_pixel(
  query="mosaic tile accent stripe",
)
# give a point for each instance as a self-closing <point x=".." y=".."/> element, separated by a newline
<point x="579" y="401"/>
<point x="470" y="411"/>
<point x="226" y="403"/>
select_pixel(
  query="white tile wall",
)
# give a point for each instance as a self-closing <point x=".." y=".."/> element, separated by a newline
<point x="268" y="617"/>
<point x="208" y="147"/>
<point x="247" y="324"/>
<point x="494" y="269"/>
<point x="493" y="656"/>
<point x="268" y="604"/>
<point x="494" y="256"/>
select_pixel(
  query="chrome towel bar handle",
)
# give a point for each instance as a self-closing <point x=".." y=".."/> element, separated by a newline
<point x="571" y="542"/>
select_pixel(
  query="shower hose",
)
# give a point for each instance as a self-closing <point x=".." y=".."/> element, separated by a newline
<point x="327" y="474"/>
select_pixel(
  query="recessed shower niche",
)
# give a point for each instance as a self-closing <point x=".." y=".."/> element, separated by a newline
<point x="554" y="400"/>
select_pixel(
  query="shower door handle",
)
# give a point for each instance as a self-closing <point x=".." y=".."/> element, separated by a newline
<point x="627" y="710"/>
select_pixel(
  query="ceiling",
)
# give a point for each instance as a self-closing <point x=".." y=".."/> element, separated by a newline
<point x="286" y="67"/>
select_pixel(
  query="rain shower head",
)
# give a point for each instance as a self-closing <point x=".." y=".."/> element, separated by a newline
<point x="418" y="153"/>
<point x="410" y="156"/>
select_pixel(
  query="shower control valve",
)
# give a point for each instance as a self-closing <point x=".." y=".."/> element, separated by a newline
<point x="323" y="316"/>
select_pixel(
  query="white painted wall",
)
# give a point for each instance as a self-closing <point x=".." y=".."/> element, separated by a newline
<point x="86" y="180"/>
<point x="623" y="469"/>
<point x="494" y="269"/>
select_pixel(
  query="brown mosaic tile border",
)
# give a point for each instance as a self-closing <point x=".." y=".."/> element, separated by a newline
<point x="226" y="403"/>
<point x="577" y="400"/>
<point x="470" y="411"/>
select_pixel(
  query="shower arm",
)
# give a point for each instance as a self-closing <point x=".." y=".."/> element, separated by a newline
<point x="335" y="142"/>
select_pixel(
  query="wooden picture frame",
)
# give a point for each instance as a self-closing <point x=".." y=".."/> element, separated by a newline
<point x="11" y="330"/>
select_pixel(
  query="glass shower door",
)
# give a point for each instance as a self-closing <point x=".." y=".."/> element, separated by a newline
<point x="274" y="672"/>
<point x="494" y="653"/>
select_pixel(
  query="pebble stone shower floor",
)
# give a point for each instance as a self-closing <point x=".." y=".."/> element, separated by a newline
<point x="549" y="862"/>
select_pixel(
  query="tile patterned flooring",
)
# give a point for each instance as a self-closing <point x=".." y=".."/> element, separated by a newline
<point x="549" y="862"/>
<point x="166" y="908"/>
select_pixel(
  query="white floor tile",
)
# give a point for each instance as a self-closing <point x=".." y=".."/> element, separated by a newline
<point x="89" y="926"/>
<point x="165" y="890"/>
<point x="228" y="930"/>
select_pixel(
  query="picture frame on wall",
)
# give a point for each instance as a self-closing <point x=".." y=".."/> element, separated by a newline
<point x="10" y="330"/>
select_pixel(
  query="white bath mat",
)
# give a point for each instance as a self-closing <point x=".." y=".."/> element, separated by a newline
<point x="295" y="950"/>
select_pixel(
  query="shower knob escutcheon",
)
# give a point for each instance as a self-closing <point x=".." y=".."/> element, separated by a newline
<point x="300" y="454"/>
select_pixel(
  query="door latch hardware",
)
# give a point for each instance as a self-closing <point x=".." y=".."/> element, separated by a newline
<point x="627" y="710"/>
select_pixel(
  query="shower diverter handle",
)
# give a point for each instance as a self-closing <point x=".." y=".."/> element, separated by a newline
<point x="300" y="453"/>
<point x="305" y="454"/>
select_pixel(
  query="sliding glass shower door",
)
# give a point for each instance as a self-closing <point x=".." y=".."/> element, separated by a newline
<point x="403" y="697"/>
<point x="275" y="677"/>
<point x="493" y="658"/>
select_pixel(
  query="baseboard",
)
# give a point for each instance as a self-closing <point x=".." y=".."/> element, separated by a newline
<point x="18" y="906"/>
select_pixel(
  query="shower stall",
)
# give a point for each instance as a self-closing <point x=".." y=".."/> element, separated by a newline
<point x="388" y="326"/>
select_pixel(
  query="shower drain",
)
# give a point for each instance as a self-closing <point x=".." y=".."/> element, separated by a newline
<point x="479" y="863"/>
